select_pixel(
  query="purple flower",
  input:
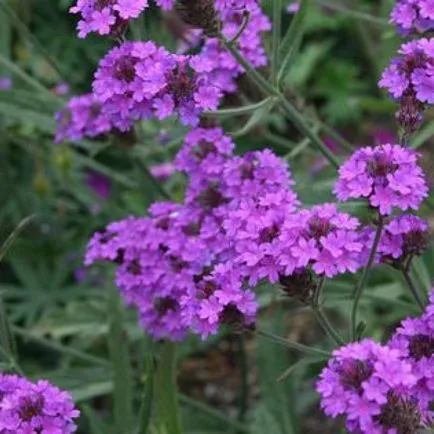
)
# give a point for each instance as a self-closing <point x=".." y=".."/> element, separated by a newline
<point x="82" y="117"/>
<point x="61" y="89"/>
<point x="322" y="238"/>
<point x="415" y="340"/>
<point x="106" y="16"/>
<point x="5" y="83"/>
<point x="413" y="16"/>
<point x="162" y="171"/>
<point x="293" y="7"/>
<point x="30" y="408"/>
<point x="138" y="79"/>
<point x="403" y="238"/>
<point x="371" y="387"/>
<point x="388" y="176"/>
<point x="99" y="184"/>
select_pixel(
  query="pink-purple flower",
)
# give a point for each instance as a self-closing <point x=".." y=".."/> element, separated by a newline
<point x="371" y="387"/>
<point x="387" y="176"/>
<point x="82" y="117"/>
<point x="413" y="16"/>
<point x="106" y="16"/>
<point x="31" y="408"/>
<point x="138" y="80"/>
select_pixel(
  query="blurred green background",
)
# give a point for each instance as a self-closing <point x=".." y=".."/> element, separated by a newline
<point x="58" y="310"/>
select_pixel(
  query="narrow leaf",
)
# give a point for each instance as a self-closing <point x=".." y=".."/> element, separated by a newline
<point x="119" y="354"/>
<point x="292" y="39"/>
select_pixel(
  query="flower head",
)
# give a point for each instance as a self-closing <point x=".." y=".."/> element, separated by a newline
<point x="413" y="16"/>
<point x="387" y="176"/>
<point x="30" y="408"/>
<point x="106" y="16"/>
<point x="82" y="117"/>
<point x="370" y="385"/>
<point x="415" y="340"/>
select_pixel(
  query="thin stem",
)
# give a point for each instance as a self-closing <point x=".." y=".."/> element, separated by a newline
<point x="321" y="316"/>
<point x="327" y="327"/>
<point x="246" y="19"/>
<point x="361" y="283"/>
<point x="293" y="345"/>
<point x="263" y="84"/>
<point x="300" y="123"/>
<point x="277" y="26"/>
<point x="292" y="113"/>
<point x="159" y="187"/>
<point x="413" y="288"/>
<point x="244" y="370"/>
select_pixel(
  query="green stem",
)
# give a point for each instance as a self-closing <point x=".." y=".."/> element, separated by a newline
<point x="361" y="283"/>
<point x="277" y="28"/>
<point x="244" y="389"/>
<point x="322" y="318"/>
<point x="168" y="417"/>
<point x="297" y="119"/>
<point x="292" y="113"/>
<point x="413" y="288"/>
<point x="243" y="26"/>
<point x="293" y="345"/>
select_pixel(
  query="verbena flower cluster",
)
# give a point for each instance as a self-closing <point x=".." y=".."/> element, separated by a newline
<point x="82" y="117"/>
<point x="413" y="16"/>
<point x="138" y="80"/>
<point x="34" y="408"/>
<point x="106" y="16"/>
<point x="409" y="77"/>
<point x="193" y="266"/>
<point x="405" y="237"/>
<point x="387" y="176"/>
<point x="384" y="389"/>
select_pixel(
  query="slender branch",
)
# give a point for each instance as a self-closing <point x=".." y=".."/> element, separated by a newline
<point x="412" y="288"/>
<point x="244" y="370"/>
<point x="321" y="316"/>
<point x="361" y="283"/>
<point x="246" y="19"/>
<point x="277" y="28"/>
<point x="292" y="344"/>
<point x="292" y="113"/>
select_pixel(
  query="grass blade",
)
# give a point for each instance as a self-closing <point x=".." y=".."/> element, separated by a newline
<point x="119" y="354"/>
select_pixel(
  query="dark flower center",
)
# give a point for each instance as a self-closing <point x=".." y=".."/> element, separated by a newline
<point x="421" y="346"/>
<point x="182" y="85"/>
<point x="246" y="170"/>
<point x="299" y="285"/>
<point x="211" y="198"/>
<point x="319" y="227"/>
<point x="101" y="4"/>
<point x="400" y="414"/>
<point x="380" y="166"/>
<point x="177" y="264"/>
<point x="232" y="316"/>
<point x="267" y="235"/>
<point x="163" y="223"/>
<point x="31" y="408"/>
<point x="205" y="272"/>
<point x="203" y="149"/>
<point x="134" y="267"/>
<point x="354" y="372"/>
<point x="191" y="230"/>
<point x="124" y="69"/>
<point x="206" y="289"/>
<point x="165" y="304"/>
<point x="415" y="242"/>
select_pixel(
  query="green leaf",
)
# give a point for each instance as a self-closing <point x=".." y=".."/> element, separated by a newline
<point x="119" y="354"/>
<point x="13" y="236"/>
<point x="240" y="111"/>
<point x="168" y="417"/>
<point x="292" y="39"/>
<point x="148" y="396"/>
<point x="254" y="120"/>
<point x="96" y="424"/>
<point x="422" y="136"/>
